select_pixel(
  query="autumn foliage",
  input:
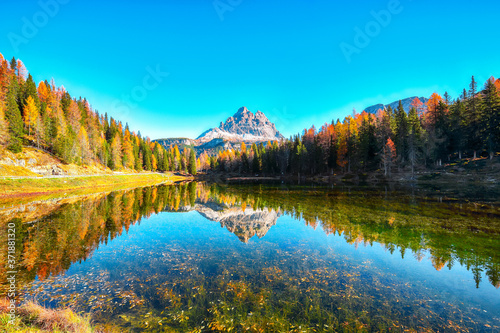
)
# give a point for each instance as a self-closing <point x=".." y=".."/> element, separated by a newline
<point x="442" y="129"/>
<point x="428" y="133"/>
<point x="46" y="116"/>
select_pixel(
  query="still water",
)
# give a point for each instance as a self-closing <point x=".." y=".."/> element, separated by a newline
<point x="266" y="258"/>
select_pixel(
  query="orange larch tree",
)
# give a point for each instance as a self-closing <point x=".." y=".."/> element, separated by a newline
<point x="432" y="107"/>
<point x="497" y="84"/>
<point x="43" y="92"/>
<point x="74" y="116"/>
<point x="419" y="106"/>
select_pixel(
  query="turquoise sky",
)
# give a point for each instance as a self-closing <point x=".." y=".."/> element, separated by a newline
<point x="299" y="62"/>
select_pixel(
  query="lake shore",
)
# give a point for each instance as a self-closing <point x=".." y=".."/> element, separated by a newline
<point x="19" y="187"/>
<point x="468" y="171"/>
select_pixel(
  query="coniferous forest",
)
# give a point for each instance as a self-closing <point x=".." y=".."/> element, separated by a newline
<point x="442" y="130"/>
<point x="48" y="117"/>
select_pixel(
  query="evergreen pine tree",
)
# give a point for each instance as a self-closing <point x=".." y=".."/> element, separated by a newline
<point x="491" y="120"/>
<point x="66" y="102"/>
<point x="441" y="128"/>
<point x="414" y="138"/>
<point x="14" y="118"/>
<point x="30" y="90"/>
<point x="13" y="64"/>
<point x="474" y="130"/>
<point x="192" y="163"/>
<point x="166" y="164"/>
<point x="367" y="142"/>
<point x="401" y="133"/>
<point x="457" y="127"/>
<point x="146" y="157"/>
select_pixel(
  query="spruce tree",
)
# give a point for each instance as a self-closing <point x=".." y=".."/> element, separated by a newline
<point x="192" y="163"/>
<point x="14" y="118"/>
<point x="457" y="127"/>
<point x="13" y="64"/>
<point x="401" y="132"/>
<point x="442" y="131"/>
<point x="474" y="130"/>
<point x="491" y="120"/>
<point x="414" y="138"/>
<point x="166" y="164"/>
<point x="30" y="90"/>
<point x="65" y="103"/>
<point x="367" y="142"/>
<point x="146" y="157"/>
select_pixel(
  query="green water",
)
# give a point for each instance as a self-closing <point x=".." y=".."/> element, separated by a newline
<point x="267" y="258"/>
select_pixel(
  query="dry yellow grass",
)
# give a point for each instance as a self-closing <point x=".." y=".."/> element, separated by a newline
<point x="31" y="317"/>
<point x="16" y="171"/>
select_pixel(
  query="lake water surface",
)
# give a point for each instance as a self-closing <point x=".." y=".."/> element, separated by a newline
<point x="266" y="258"/>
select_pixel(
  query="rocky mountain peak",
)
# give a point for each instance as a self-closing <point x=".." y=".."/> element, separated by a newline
<point x="242" y="112"/>
<point x="243" y="126"/>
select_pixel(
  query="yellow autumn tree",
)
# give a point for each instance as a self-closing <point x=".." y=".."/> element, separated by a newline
<point x="154" y="163"/>
<point x="177" y="158"/>
<point x="31" y="114"/>
<point x="127" y="151"/>
<point x="3" y="124"/>
<point x="83" y="140"/>
<point x="116" y="150"/>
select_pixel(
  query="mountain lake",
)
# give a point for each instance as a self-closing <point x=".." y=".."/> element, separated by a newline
<point x="273" y="257"/>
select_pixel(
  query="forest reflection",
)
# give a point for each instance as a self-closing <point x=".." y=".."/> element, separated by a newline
<point x="52" y="235"/>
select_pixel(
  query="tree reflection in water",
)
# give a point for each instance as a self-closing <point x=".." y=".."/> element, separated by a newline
<point x="271" y="288"/>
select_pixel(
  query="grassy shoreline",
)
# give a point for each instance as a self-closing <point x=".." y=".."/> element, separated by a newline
<point x="23" y="187"/>
<point x="31" y="317"/>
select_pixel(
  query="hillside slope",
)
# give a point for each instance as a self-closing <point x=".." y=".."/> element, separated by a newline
<point x="32" y="162"/>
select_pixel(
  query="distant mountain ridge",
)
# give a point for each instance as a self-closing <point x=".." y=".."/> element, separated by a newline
<point x="394" y="105"/>
<point x="181" y="143"/>
<point x="245" y="126"/>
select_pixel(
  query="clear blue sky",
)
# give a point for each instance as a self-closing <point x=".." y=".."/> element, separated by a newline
<point x="283" y="58"/>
